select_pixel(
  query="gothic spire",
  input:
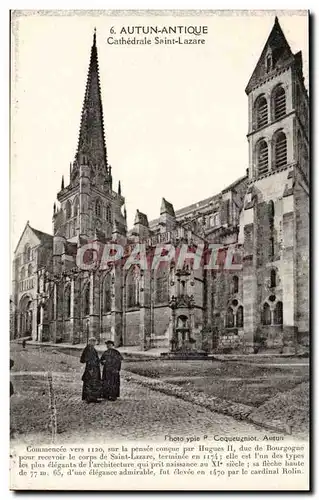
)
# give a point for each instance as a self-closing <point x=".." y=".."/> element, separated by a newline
<point x="91" y="145"/>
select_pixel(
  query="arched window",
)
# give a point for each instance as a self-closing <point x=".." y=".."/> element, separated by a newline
<point x="273" y="278"/>
<point x="240" y="317"/>
<point x="235" y="284"/>
<point x="278" y="314"/>
<point x="230" y="318"/>
<point x="22" y="273"/>
<point x="266" y="314"/>
<point x="107" y="294"/>
<point x="76" y="207"/>
<point x="30" y="270"/>
<point x="108" y="213"/>
<point x="86" y="300"/>
<point x="27" y="253"/>
<point x="280" y="143"/>
<point x="161" y="286"/>
<point x="261" y="110"/>
<point x="132" y="288"/>
<point x="98" y="208"/>
<point x="262" y="157"/>
<point x="67" y="301"/>
<point x="68" y="210"/>
<point x="279" y="102"/>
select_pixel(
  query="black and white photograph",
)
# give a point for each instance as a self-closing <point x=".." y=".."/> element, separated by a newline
<point x="159" y="250"/>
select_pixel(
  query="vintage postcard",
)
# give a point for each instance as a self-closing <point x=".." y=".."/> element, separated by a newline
<point x="159" y="306"/>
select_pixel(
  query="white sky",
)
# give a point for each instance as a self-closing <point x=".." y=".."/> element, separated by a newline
<point x="175" y="117"/>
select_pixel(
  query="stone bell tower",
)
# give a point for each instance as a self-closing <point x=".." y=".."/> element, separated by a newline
<point x="275" y="220"/>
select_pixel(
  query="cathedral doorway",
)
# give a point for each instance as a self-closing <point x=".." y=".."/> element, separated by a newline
<point x="25" y="311"/>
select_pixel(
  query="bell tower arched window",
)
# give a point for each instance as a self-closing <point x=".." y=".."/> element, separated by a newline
<point x="262" y="157"/>
<point x="261" y="111"/>
<point x="279" y="102"/>
<point x="280" y="149"/>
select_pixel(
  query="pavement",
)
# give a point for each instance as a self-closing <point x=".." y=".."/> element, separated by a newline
<point x="148" y="408"/>
<point x="140" y="413"/>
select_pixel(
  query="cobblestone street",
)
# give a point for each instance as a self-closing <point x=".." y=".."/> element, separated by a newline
<point x="140" y="413"/>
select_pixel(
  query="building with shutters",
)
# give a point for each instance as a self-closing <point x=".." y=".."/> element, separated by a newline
<point x="262" y="304"/>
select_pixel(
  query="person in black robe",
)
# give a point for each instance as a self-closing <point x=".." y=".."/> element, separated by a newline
<point x="111" y="361"/>
<point x="92" y="375"/>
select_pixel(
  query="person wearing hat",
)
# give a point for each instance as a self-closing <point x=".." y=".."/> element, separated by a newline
<point x="92" y="374"/>
<point x="111" y="361"/>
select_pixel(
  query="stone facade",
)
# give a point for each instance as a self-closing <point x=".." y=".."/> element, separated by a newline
<point x="261" y="304"/>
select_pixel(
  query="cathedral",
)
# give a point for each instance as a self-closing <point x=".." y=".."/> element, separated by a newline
<point x="262" y="304"/>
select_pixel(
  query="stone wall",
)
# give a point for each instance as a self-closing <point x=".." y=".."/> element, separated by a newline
<point x="131" y="335"/>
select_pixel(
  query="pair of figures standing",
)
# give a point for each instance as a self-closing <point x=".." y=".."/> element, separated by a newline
<point x="95" y="386"/>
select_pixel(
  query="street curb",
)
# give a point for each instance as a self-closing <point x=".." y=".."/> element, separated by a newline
<point x="238" y="411"/>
